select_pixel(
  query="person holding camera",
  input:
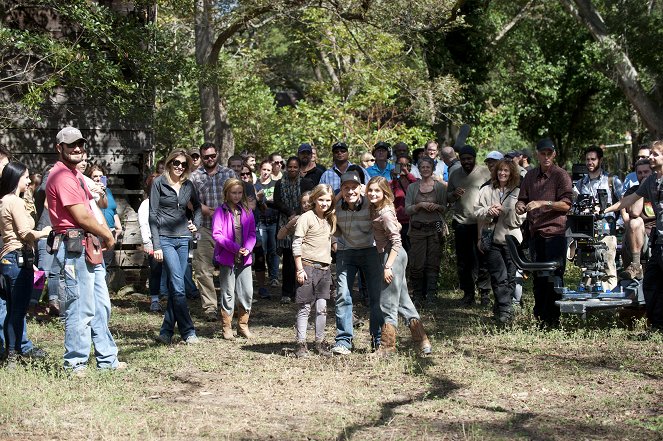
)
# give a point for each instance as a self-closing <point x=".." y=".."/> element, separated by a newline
<point x="84" y="301"/>
<point x="497" y="217"/>
<point x="597" y="179"/>
<point x="16" y="260"/>
<point x="545" y="195"/>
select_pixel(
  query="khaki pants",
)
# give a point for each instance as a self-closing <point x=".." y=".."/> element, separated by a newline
<point x="203" y="265"/>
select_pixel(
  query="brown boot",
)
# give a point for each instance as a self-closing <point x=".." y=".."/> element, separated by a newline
<point x="419" y="337"/>
<point x="243" y="322"/>
<point x="227" y="321"/>
<point x="387" y="341"/>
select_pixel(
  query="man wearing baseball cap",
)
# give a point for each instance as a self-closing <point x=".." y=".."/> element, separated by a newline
<point x="381" y="167"/>
<point x="308" y="169"/>
<point x="545" y="195"/>
<point x="341" y="165"/>
<point x="356" y="251"/>
<point x="84" y="301"/>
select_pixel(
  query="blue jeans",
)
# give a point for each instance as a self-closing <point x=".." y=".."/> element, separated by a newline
<point x="175" y="255"/>
<point x="85" y="308"/>
<point x="12" y="312"/>
<point x="162" y="280"/>
<point x="268" y="237"/>
<point x="348" y="262"/>
<point x="44" y="263"/>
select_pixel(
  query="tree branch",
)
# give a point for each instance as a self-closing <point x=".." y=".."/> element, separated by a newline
<point x="514" y="21"/>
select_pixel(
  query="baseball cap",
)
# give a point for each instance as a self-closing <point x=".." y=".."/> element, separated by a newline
<point x="467" y="150"/>
<point x="69" y="135"/>
<point x="305" y="147"/>
<point x="495" y="155"/>
<point x="381" y="145"/>
<point x="350" y="177"/>
<point x="339" y="146"/>
<point x="545" y="144"/>
<point x="513" y="154"/>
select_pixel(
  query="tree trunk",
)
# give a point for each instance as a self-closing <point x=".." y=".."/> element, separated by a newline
<point x="626" y="74"/>
<point x="213" y="111"/>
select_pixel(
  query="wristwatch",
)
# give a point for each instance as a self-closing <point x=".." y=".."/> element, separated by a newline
<point x="549" y="203"/>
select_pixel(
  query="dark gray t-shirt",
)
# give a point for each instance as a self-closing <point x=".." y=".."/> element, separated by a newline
<point x="652" y="189"/>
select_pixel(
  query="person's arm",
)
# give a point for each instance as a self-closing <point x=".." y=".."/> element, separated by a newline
<point x="24" y="231"/>
<point x="222" y="237"/>
<point x="252" y="237"/>
<point x="154" y="214"/>
<point x="634" y="210"/>
<point x="410" y="207"/>
<point x="197" y="208"/>
<point x="625" y="202"/>
<point x="118" y="225"/>
<point x="300" y="274"/>
<point x="87" y="222"/>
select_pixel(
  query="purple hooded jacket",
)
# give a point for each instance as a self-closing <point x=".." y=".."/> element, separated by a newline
<point x="223" y="232"/>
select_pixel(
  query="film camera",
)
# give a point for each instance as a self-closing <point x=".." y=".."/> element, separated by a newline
<point x="586" y="226"/>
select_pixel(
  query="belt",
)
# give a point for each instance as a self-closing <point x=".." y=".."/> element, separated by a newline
<point x="315" y="265"/>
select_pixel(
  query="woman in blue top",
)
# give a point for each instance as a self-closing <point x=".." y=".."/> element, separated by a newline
<point x="97" y="173"/>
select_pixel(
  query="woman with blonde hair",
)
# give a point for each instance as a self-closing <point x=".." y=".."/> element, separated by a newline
<point x="171" y="232"/>
<point x="496" y="213"/>
<point x="234" y="231"/>
<point x="394" y="296"/>
<point x="311" y="249"/>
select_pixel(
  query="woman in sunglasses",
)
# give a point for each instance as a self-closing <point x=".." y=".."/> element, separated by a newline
<point x="171" y="235"/>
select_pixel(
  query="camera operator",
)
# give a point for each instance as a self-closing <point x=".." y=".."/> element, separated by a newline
<point x="597" y="179"/>
<point x="545" y="195"/>
<point x="652" y="189"/>
<point x="639" y="219"/>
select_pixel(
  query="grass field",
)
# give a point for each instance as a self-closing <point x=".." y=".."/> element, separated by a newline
<point x="594" y="380"/>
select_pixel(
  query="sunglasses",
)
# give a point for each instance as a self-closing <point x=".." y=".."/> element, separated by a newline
<point x="278" y="162"/>
<point x="73" y="145"/>
<point x="177" y="163"/>
<point x="245" y="174"/>
<point x="195" y="156"/>
<point x="642" y="157"/>
<point x="370" y="160"/>
<point x="212" y="156"/>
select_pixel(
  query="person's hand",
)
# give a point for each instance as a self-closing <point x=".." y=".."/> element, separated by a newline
<point x="533" y="205"/>
<point x="301" y="277"/>
<point x="431" y="206"/>
<point x="388" y="275"/>
<point x="97" y="188"/>
<point x="479" y="247"/>
<point x="333" y="247"/>
<point x="292" y="220"/>
<point x="192" y="228"/>
<point x="118" y="231"/>
<point x="47" y="230"/>
<point x="520" y="207"/>
<point x="495" y="210"/>
<point x="244" y="252"/>
<point x="109" y="241"/>
<point x="459" y="192"/>
<point x="148" y="248"/>
<point x="158" y="255"/>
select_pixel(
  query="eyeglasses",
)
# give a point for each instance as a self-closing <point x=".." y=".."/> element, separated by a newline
<point x="370" y="160"/>
<point x="177" y="163"/>
<point x="245" y="174"/>
<point x="404" y="165"/>
<point x="195" y="157"/>
<point x="278" y="162"/>
<point x="211" y="156"/>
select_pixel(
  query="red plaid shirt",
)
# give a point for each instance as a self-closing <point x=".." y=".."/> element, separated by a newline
<point x="553" y="185"/>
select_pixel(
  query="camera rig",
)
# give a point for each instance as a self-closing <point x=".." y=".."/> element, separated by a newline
<point x="586" y="227"/>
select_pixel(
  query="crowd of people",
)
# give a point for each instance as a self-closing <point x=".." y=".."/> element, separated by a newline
<point x="213" y="232"/>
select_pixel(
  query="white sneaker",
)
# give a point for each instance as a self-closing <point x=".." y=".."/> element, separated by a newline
<point x="274" y="283"/>
<point x="192" y="340"/>
<point x="285" y="300"/>
<point x="340" y="350"/>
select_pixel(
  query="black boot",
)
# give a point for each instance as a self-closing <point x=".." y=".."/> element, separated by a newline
<point x="431" y="286"/>
<point x="485" y="297"/>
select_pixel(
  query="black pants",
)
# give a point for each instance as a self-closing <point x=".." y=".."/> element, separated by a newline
<point x="502" y="272"/>
<point x="546" y="249"/>
<point x="288" y="281"/>
<point x="467" y="259"/>
<point x="652" y="286"/>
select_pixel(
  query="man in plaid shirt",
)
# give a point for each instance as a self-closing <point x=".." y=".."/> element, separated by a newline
<point x="208" y="180"/>
<point x="545" y="195"/>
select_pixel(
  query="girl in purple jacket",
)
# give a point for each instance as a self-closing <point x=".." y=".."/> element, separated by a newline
<point x="234" y="231"/>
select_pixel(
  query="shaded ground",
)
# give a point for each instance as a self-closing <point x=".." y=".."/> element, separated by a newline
<point x="596" y="382"/>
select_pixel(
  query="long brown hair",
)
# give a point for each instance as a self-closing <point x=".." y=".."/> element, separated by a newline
<point x="169" y="160"/>
<point x="383" y="185"/>
<point x="514" y="175"/>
